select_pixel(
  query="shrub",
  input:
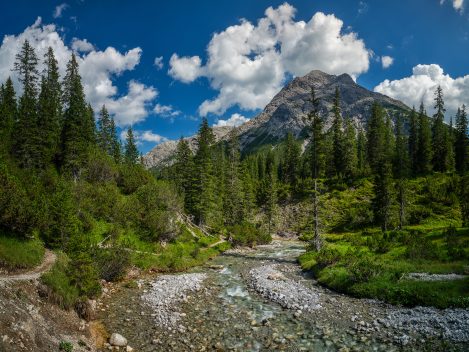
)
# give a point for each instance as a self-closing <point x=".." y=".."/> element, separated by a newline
<point x="65" y="346"/>
<point x="112" y="263"/>
<point x="247" y="234"/>
<point x="132" y="177"/>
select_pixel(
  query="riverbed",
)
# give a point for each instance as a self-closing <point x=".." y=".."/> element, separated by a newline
<point x="260" y="300"/>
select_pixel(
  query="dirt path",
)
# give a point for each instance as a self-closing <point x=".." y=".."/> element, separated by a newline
<point x="35" y="273"/>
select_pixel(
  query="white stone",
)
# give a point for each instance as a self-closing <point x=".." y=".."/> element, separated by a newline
<point x="118" y="340"/>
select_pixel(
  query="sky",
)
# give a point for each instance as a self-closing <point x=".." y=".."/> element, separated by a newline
<point x="160" y="66"/>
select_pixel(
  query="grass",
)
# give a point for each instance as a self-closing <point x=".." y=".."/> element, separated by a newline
<point x="372" y="265"/>
<point x="20" y="254"/>
<point x="60" y="289"/>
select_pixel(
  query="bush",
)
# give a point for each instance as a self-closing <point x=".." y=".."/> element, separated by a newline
<point x="132" y="177"/>
<point x="65" y="346"/>
<point x="59" y="288"/>
<point x="112" y="263"/>
<point x="19" y="253"/>
<point x="247" y="234"/>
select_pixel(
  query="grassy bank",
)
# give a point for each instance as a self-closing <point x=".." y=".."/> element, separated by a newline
<point x="20" y="253"/>
<point x="374" y="265"/>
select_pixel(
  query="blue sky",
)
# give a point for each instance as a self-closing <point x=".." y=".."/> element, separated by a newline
<point x="423" y="43"/>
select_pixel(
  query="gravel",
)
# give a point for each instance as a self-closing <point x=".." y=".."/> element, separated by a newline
<point x="452" y="324"/>
<point x="165" y="294"/>
<point x="270" y="283"/>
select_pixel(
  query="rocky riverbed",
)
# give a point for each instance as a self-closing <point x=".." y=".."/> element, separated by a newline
<point x="260" y="300"/>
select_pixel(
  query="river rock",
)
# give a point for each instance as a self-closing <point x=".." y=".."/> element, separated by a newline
<point x="118" y="340"/>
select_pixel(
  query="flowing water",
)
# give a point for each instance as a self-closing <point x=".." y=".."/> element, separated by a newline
<point x="228" y="315"/>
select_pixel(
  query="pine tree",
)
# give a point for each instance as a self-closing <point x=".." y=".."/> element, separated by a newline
<point x="316" y="130"/>
<point x="424" y="145"/>
<point x="461" y="141"/>
<point x="184" y="174"/>
<point x="361" y="152"/>
<point x="8" y="112"/>
<point x="413" y="141"/>
<point x="401" y="168"/>
<point x="270" y="186"/>
<point x="376" y="138"/>
<point x="291" y="162"/>
<point x="350" y="150"/>
<point x="104" y="133"/>
<point x="131" y="151"/>
<point x="338" y="136"/>
<point x="440" y="143"/>
<point x="26" y="129"/>
<point x="77" y="133"/>
<point x="116" y="147"/>
<point x="50" y="111"/>
<point x="233" y="197"/>
<point x="204" y="200"/>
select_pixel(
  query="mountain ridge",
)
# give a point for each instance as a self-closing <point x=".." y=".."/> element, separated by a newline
<point x="287" y="110"/>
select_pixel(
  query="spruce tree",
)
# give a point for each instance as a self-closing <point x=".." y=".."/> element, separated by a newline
<point x="185" y="173"/>
<point x="338" y="136"/>
<point x="461" y="143"/>
<point x="376" y="138"/>
<point x="316" y="132"/>
<point x="291" y="161"/>
<point x="440" y="143"/>
<point x="350" y="150"/>
<point x="8" y="112"/>
<point x="26" y="129"/>
<point x="424" y="145"/>
<point x="233" y="197"/>
<point x="77" y="133"/>
<point x="204" y="200"/>
<point x="116" y="147"/>
<point x="413" y="141"/>
<point x="270" y="185"/>
<point x="361" y="152"/>
<point x="50" y="111"/>
<point x="104" y="133"/>
<point x="131" y="152"/>
<point x="401" y="168"/>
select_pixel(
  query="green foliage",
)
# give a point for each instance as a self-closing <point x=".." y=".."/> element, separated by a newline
<point x="112" y="262"/>
<point x="20" y="253"/>
<point x="60" y="289"/>
<point x="247" y="234"/>
<point x="65" y="346"/>
<point x="131" y="177"/>
<point x="131" y="155"/>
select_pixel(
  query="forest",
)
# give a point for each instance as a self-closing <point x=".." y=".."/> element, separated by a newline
<point x="375" y="202"/>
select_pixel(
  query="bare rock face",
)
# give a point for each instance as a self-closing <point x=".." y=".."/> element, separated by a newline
<point x="287" y="112"/>
<point x="163" y="154"/>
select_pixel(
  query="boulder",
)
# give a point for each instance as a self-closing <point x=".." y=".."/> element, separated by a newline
<point x="118" y="340"/>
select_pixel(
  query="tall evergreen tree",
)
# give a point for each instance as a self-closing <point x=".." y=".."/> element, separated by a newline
<point x="50" y="111"/>
<point x="291" y="160"/>
<point x="350" y="150"/>
<point x="376" y="138"/>
<point x="361" y="152"/>
<point x="233" y="197"/>
<point x="338" y="136"/>
<point x="107" y="135"/>
<point x="204" y="200"/>
<point x="413" y="141"/>
<point x="401" y="168"/>
<point x="132" y="155"/>
<point x="26" y="129"/>
<point x="185" y="173"/>
<point x="77" y="133"/>
<point x="270" y="186"/>
<point x="424" y="145"/>
<point x="440" y="143"/>
<point x="461" y="143"/>
<point x="8" y="112"/>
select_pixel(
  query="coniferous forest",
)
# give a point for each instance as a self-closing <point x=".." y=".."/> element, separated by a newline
<point x="373" y="202"/>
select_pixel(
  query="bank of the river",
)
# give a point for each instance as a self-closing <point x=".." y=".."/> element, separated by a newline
<point x="260" y="300"/>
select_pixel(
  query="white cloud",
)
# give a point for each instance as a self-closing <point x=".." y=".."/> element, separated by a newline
<point x="158" y="62"/>
<point x="458" y="5"/>
<point x="422" y="84"/>
<point x="59" y="10"/>
<point x="185" y="69"/>
<point x="235" y="120"/>
<point x="97" y="68"/>
<point x="144" y="136"/>
<point x="386" y="61"/>
<point x="166" y="110"/>
<point x="247" y="63"/>
<point x="82" y="45"/>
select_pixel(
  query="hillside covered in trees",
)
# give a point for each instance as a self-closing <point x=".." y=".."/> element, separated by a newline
<point x="375" y="201"/>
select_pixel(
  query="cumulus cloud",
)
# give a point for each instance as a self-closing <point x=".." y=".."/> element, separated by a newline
<point x="166" y="110"/>
<point x="82" y="45"/>
<point x="420" y="86"/>
<point x="59" y="9"/>
<point x="235" y="120"/>
<point x="247" y="63"/>
<point x="98" y="69"/>
<point x="185" y="69"/>
<point x="458" y="5"/>
<point x="386" y="61"/>
<point x="144" y="136"/>
<point x="158" y="62"/>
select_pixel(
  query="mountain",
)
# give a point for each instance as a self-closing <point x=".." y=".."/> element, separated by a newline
<point x="162" y="154"/>
<point x="287" y="111"/>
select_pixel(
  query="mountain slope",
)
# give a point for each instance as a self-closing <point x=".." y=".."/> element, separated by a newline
<point x="287" y="111"/>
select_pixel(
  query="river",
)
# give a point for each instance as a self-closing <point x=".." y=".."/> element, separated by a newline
<point x="260" y="300"/>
